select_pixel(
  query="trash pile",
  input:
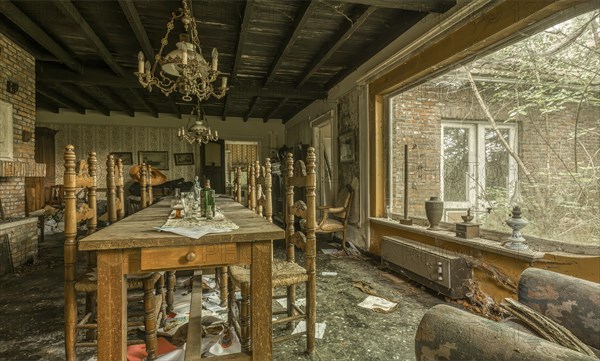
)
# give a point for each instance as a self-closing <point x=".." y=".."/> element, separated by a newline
<point x="217" y="337"/>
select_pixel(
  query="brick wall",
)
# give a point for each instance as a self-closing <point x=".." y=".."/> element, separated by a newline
<point x="22" y="237"/>
<point x="545" y="145"/>
<point x="18" y="66"/>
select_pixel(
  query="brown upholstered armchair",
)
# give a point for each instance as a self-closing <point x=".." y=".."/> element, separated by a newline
<point x="335" y="219"/>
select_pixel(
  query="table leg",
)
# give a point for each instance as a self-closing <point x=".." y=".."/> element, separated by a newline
<point x="112" y="306"/>
<point x="262" y="291"/>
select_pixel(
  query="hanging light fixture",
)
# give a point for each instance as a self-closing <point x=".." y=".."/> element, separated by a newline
<point x="184" y="69"/>
<point x="199" y="131"/>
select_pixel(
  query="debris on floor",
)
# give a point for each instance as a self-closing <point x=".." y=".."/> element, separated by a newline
<point x="319" y="332"/>
<point x="378" y="304"/>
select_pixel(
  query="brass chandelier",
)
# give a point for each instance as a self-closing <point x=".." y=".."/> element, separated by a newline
<point x="184" y="69"/>
<point x="199" y="131"/>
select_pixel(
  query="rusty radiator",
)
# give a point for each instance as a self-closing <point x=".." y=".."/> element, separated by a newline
<point x="441" y="270"/>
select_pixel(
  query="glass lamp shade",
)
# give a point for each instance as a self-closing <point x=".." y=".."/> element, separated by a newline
<point x="172" y="63"/>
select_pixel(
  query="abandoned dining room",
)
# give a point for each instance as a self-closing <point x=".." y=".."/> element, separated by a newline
<point x="299" y="180"/>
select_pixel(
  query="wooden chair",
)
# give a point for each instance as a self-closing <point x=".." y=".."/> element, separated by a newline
<point x="251" y="186"/>
<point x="264" y="200"/>
<point x="85" y="177"/>
<point x="287" y="273"/>
<point x="237" y="195"/>
<point x="335" y="219"/>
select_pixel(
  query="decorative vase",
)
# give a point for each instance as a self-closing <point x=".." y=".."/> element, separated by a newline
<point x="434" y="209"/>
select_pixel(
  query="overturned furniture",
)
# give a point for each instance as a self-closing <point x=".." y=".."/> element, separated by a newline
<point x="448" y="333"/>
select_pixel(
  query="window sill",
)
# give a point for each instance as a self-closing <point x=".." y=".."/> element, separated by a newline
<point x="476" y="243"/>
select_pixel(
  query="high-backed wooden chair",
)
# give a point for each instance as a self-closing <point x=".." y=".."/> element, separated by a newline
<point x="251" y="186"/>
<point x="335" y="219"/>
<point x="85" y="282"/>
<point x="264" y="199"/>
<point x="287" y="273"/>
<point x="237" y="195"/>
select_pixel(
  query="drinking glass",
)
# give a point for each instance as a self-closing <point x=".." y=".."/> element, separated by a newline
<point x="188" y="200"/>
<point x="176" y="203"/>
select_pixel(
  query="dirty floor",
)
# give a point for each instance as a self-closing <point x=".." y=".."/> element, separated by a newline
<point x="31" y="310"/>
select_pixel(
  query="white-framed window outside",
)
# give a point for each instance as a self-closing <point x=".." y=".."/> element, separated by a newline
<point x="476" y="168"/>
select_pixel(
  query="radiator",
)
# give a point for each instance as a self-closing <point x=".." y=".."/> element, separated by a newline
<point x="440" y="270"/>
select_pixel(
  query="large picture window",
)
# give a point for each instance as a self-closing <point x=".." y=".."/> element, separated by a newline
<point x="517" y="126"/>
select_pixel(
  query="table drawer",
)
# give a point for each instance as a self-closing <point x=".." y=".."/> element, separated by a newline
<point x="162" y="258"/>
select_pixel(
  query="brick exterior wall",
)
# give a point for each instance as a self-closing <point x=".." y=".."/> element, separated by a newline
<point x="545" y="145"/>
<point x="18" y="66"/>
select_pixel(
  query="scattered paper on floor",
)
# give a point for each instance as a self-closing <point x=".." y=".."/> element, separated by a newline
<point x="325" y="273"/>
<point x="300" y="302"/>
<point x="319" y="332"/>
<point x="330" y="250"/>
<point x="378" y="304"/>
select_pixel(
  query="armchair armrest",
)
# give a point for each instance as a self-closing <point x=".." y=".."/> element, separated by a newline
<point x="322" y="208"/>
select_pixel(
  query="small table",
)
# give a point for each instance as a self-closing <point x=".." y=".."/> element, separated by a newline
<point x="132" y="245"/>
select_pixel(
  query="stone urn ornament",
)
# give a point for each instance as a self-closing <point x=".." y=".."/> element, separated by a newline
<point x="434" y="210"/>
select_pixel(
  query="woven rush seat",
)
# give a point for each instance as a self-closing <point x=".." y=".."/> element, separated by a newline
<point x="331" y="225"/>
<point x="284" y="273"/>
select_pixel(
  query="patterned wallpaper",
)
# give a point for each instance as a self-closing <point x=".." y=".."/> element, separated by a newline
<point x="120" y="138"/>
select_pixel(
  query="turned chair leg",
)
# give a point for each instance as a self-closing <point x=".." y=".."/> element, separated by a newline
<point x="90" y="307"/>
<point x="170" y="281"/>
<point x="223" y="280"/>
<point x="230" y="303"/>
<point x="150" y="318"/>
<point x="291" y="301"/>
<point x="245" y="316"/>
<point x="161" y="290"/>
<point x="344" y="241"/>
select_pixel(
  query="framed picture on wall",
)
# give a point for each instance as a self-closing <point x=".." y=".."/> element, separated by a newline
<point x="184" y="158"/>
<point x="126" y="157"/>
<point x="346" y="145"/>
<point x="158" y="160"/>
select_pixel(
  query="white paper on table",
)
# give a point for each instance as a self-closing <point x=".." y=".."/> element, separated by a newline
<point x="319" y="332"/>
<point x="299" y="302"/>
<point x="192" y="232"/>
<point x="372" y="302"/>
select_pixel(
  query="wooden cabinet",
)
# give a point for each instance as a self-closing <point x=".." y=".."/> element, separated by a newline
<point x="38" y="189"/>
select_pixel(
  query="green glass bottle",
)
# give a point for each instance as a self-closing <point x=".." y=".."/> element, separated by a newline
<point x="208" y="200"/>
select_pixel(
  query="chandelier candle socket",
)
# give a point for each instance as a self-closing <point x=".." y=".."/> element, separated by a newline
<point x="199" y="131"/>
<point x="184" y="69"/>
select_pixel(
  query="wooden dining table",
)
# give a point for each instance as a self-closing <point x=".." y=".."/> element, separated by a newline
<point x="133" y="245"/>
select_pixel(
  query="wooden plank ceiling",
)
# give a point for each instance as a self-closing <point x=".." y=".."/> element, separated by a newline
<point x="280" y="55"/>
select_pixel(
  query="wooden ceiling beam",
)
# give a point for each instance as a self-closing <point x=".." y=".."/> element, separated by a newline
<point x="248" y="9"/>
<point x="151" y="108"/>
<point x="288" y="117"/>
<point x="425" y="6"/>
<point x="250" y="108"/>
<point x="275" y="109"/>
<point x="117" y="100"/>
<point x="67" y="8"/>
<point x="83" y="95"/>
<point x="14" y="14"/>
<point x="299" y="22"/>
<point x="60" y="99"/>
<point x="52" y="73"/>
<point x="175" y="107"/>
<point x="338" y="40"/>
<point x="376" y="47"/>
<point x="20" y="39"/>
<point x="135" y="22"/>
<point x="44" y="102"/>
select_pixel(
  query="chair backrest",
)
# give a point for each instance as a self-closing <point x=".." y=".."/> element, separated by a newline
<point x="80" y="175"/>
<point x="345" y="215"/>
<point x="251" y="186"/>
<point x="145" y="180"/>
<point x="238" y="185"/>
<point x="301" y="175"/>
<point x="114" y="189"/>
<point x="120" y="183"/>
<point x="264" y="197"/>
